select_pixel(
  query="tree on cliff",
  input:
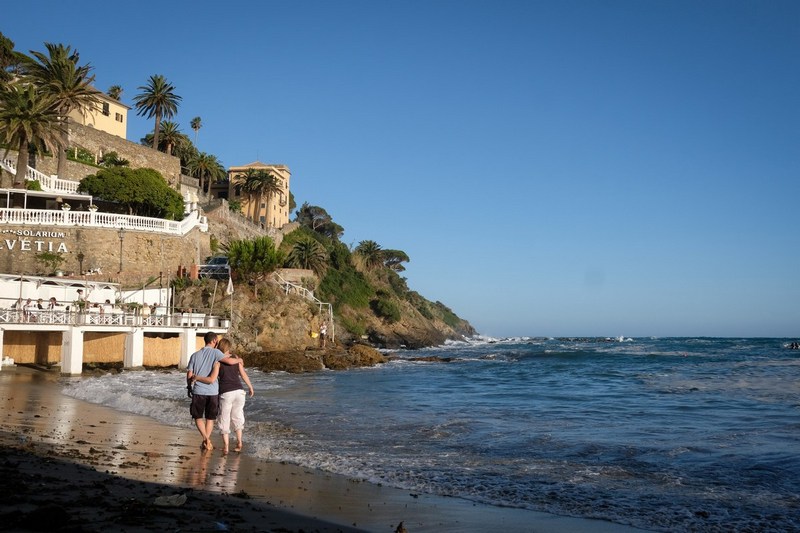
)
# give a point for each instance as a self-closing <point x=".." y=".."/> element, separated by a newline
<point x="394" y="259"/>
<point x="254" y="259"/>
<point x="157" y="99"/>
<point x="308" y="253"/>
<point x="28" y="117"/>
<point x="206" y="168"/>
<point x="170" y="136"/>
<point x="370" y="253"/>
<point x="196" y="123"/>
<point x="318" y="220"/>
<point x="58" y="75"/>
<point x="372" y="256"/>
<point x="142" y="191"/>
<point x="10" y="59"/>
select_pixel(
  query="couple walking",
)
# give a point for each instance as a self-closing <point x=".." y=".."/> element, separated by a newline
<point x="213" y="379"/>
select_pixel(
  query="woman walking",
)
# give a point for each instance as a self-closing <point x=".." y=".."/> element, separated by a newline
<point x="231" y="398"/>
<point x="231" y="395"/>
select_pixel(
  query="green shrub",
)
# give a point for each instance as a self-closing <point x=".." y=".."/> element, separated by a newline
<point x="386" y="309"/>
<point x="81" y="155"/>
<point x="143" y="191"/>
<point x="346" y="287"/>
<point x="448" y="316"/>
<point x="397" y="283"/>
<point x="33" y="185"/>
<point x="50" y="260"/>
<point x="420" y="304"/>
<point x="112" y="159"/>
<point x="354" y="327"/>
<point x="180" y="283"/>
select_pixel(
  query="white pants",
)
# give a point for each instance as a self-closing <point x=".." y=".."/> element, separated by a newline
<point x="231" y="410"/>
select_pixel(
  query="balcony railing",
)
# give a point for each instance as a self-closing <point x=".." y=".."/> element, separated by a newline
<point x="94" y="317"/>
<point x="47" y="217"/>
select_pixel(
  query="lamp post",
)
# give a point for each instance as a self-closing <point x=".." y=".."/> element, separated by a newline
<point x="121" y="238"/>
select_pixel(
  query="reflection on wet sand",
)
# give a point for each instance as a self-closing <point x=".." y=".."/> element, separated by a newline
<point x="212" y="471"/>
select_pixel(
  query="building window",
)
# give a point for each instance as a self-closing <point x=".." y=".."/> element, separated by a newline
<point x="106" y="109"/>
<point x="118" y="117"/>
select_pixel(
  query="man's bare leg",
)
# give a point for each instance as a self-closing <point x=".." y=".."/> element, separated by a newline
<point x="201" y="427"/>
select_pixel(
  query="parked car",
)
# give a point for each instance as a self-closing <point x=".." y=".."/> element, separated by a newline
<point x="216" y="268"/>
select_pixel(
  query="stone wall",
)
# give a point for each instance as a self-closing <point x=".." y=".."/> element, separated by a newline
<point x="144" y="254"/>
<point x="139" y="156"/>
<point x="227" y="226"/>
<point x="99" y="143"/>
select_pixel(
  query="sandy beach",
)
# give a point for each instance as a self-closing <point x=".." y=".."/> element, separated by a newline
<point x="68" y="465"/>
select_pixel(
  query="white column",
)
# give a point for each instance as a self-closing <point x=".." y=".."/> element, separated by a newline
<point x="72" y="351"/>
<point x="188" y="345"/>
<point x="134" y="349"/>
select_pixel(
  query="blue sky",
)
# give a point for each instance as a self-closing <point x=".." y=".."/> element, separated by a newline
<point x="550" y="167"/>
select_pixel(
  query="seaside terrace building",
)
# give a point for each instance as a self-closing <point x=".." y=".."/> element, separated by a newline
<point x="61" y="244"/>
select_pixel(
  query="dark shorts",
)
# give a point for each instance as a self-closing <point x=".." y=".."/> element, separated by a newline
<point x="204" y="407"/>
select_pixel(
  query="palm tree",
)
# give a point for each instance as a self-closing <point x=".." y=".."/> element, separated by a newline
<point x="249" y="183"/>
<point x="196" y="123"/>
<point x="59" y="75"/>
<point x="308" y="253"/>
<point x="171" y="136"/>
<point x="271" y="187"/>
<point x="371" y="253"/>
<point x="158" y="100"/>
<point x="182" y="146"/>
<point x="115" y="92"/>
<point x="207" y="169"/>
<point x="259" y="182"/>
<point x="29" y="117"/>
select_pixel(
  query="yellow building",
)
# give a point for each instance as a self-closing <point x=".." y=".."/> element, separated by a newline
<point x="273" y="212"/>
<point x="109" y="115"/>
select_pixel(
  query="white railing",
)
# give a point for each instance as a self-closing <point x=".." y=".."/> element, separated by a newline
<point x="48" y="183"/>
<point x="49" y="217"/>
<point x="289" y="287"/>
<point x="113" y="318"/>
<point x="324" y="307"/>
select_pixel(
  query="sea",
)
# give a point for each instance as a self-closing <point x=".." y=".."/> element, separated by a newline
<point x="664" y="434"/>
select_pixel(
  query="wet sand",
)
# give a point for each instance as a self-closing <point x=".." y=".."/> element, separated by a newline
<point x="70" y="465"/>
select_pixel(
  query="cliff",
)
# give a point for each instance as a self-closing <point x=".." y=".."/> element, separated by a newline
<point x="273" y="321"/>
<point x="280" y="329"/>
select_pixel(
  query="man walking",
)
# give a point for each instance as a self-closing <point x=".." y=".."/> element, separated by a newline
<point x="205" y="397"/>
